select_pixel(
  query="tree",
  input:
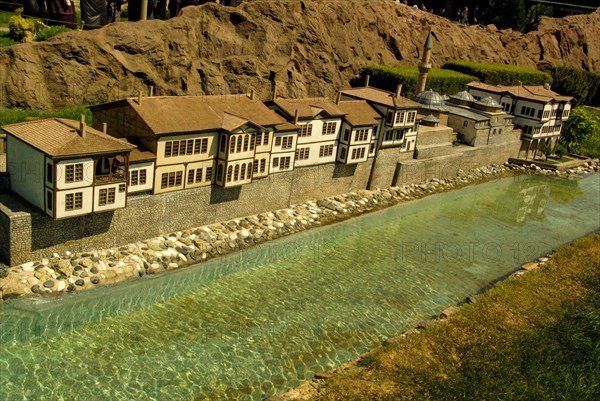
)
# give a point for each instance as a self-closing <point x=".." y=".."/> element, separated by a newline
<point x="545" y="148"/>
<point x="507" y="13"/>
<point x="580" y="126"/>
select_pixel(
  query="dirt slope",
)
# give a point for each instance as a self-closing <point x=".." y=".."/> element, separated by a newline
<point x="307" y="47"/>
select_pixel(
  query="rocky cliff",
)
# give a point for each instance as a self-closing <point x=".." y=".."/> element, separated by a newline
<point x="306" y="47"/>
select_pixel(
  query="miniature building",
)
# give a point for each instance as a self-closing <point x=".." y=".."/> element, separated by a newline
<point x="197" y="140"/>
<point x="357" y="140"/>
<point x="398" y="127"/>
<point x="537" y="110"/>
<point x="67" y="169"/>
<point x="319" y="121"/>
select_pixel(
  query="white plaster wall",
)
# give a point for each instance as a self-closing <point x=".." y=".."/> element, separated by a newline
<point x="87" y="203"/>
<point x="120" y="198"/>
<point x="25" y="166"/>
<point x="88" y="174"/>
<point x="149" y="167"/>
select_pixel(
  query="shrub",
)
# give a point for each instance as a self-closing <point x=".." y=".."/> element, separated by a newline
<point x="50" y="31"/>
<point x="441" y="81"/>
<point x="581" y="132"/>
<point x="584" y="85"/>
<point x="500" y="74"/>
<point x="17" y="26"/>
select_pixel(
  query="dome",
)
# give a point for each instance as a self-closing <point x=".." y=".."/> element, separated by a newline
<point x="431" y="100"/>
<point x="431" y="119"/>
<point x="489" y="102"/>
<point x="464" y="96"/>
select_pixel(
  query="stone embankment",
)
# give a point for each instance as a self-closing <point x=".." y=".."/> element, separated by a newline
<point x="79" y="271"/>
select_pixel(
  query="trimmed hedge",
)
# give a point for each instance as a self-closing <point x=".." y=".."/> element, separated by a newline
<point x="442" y="81"/>
<point x="584" y="85"/>
<point x="500" y="74"/>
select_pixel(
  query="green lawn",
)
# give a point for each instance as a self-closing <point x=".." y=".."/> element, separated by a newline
<point x="532" y="338"/>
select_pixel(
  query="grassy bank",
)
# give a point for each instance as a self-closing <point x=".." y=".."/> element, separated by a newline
<point x="532" y="338"/>
<point x="10" y="116"/>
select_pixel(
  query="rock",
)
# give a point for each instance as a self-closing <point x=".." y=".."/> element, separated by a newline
<point x="425" y="324"/>
<point x="530" y="266"/>
<point x="79" y="282"/>
<point x="448" y="311"/>
<point x="48" y="283"/>
<point x="65" y="267"/>
<point x="94" y="280"/>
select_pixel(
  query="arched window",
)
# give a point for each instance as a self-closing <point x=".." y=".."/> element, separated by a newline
<point x="252" y="140"/>
<point x="243" y="174"/>
<point x="263" y="163"/>
<point x="249" y="171"/>
<point x="236" y="173"/>
<point x="246" y="142"/>
<point x="239" y="143"/>
<point x="229" y="173"/>
<point x="223" y="142"/>
<point x="232" y="144"/>
<point x="220" y="172"/>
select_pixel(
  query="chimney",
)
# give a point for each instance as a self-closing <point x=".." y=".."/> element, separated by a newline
<point x="251" y="94"/>
<point x="105" y="128"/>
<point x="82" y="126"/>
<point x="296" y="117"/>
<point x="398" y="90"/>
<point x="151" y="91"/>
<point x="367" y="78"/>
<point x="140" y="98"/>
<point x="339" y="97"/>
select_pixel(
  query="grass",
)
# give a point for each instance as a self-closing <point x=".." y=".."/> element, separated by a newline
<point x="533" y="338"/>
<point x="10" y="116"/>
<point x="5" y="40"/>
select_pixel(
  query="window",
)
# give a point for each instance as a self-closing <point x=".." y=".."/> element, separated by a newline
<point x="412" y="116"/>
<point x="329" y="128"/>
<point x="49" y="200"/>
<point x="189" y="148"/>
<point x="287" y="142"/>
<point x="133" y="178"/>
<point x="246" y="142"/>
<point x="74" y="201"/>
<point x="539" y="114"/>
<point x="168" y="148"/>
<point x="263" y="165"/>
<point x="404" y="143"/>
<point x="399" y="134"/>
<point x="50" y="173"/>
<point x="284" y="163"/>
<point x="229" y="173"/>
<point x="399" y="118"/>
<point x="305" y="130"/>
<point x="276" y="162"/>
<point x="74" y="172"/>
<point x="255" y="168"/>
<point x="358" y="153"/>
<point x="223" y="142"/>
<point x="259" y="138"/>
<point x="343" y="153"/>
<point x="346" y="134"/>
<point x="522" y="109"/>
<point x="565" y="113"/>
<point x="209" y="174"/>
<point x="361" y="135"/>
<point x="106" y="196"/>
<point x="302" y="153"/>
<point x="175" y="151"/>
<point x="249" y="175"/>
<point x="546" y="114"/>
<point x="325" y="150"/>
<point x="172" y="179"/>
<point x="278" y="141"/>
<point x="191" y="175"/>
<point x="389" y="135"/>
<point x="200" y="145"/>
<point x="142" y="177"/>
<point x="239" y="144"/>
<point x="232" y="144"/>
<point x="252" y="140"/>
<point x="466" y="124"/>
<point x="243" y="172"/>
<point x="372" y="148"/>
<point x="236" y="172"/>
<point x="121" y="188"/>
<point x="220" y="172"/>
<point x="266" y="138"/>
<point x="390" y="117"/>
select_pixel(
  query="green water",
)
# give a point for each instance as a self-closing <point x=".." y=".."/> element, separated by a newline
<point x="261" y="321"/>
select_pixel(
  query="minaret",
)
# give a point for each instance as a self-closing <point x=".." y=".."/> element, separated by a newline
<point x="424" y="65"/>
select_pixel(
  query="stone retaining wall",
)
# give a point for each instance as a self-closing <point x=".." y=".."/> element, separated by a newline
<point x="29" y="234"/>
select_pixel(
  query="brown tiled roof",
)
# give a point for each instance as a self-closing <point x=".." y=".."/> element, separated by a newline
<point x="309" y="108"/>
<point x="178" y="114"/>
<point x="59" y="137"/>
<point x="381" y="96"/>
<point x="231" y="122"/>
<point x="137" y="156"/>
<point x="536" y="93"/>
<point x="287" y="126"/>
<point x="358" y="112"/>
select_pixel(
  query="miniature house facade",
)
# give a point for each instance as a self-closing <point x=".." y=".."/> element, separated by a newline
<point x="67" y="169"/>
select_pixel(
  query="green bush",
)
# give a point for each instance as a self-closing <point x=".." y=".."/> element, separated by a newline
<point x="500" y="74"/>
<point x="17" y="26"/>
<point x="441" y="81"/>
<point x="48" y="32"/>
<point x="581" y="132"/>
<point x="584" y="85"/>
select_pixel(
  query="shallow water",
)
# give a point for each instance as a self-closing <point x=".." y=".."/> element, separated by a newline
<point x="258" y="322"/>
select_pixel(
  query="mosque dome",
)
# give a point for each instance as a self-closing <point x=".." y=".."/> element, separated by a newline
<point x="430" y="99"/>
<point x="489" y="102"/>
<point x="463" y="96"/>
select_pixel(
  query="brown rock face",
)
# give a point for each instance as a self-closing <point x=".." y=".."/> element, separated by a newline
<point x="307" y="47"/>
